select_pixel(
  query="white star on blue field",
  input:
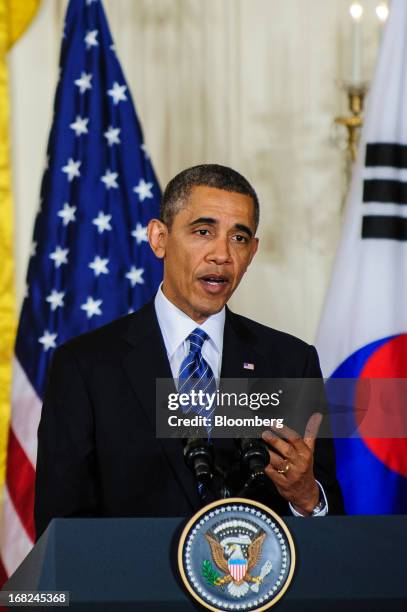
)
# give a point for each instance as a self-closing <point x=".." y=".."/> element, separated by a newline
<point x="90" y="259"/>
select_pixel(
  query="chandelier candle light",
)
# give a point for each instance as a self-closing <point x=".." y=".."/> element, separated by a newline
<point x="356" y="12"/>
<point x="354" y="85"/>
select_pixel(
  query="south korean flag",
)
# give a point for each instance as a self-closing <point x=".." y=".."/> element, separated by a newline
<point x="363" y="331"/>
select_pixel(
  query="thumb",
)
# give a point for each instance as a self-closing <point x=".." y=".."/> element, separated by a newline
<point x="311" y="430"/>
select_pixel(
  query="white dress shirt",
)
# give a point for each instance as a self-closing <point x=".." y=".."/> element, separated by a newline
<point x="175" y="328"/>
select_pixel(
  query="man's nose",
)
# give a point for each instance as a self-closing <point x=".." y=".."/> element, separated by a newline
<point x="220" y="250"/>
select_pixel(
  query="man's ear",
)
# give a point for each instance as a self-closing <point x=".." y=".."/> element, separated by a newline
<point x="157" y="233"/>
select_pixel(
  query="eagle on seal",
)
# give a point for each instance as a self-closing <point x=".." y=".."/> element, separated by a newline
<point x="230" y="559"/>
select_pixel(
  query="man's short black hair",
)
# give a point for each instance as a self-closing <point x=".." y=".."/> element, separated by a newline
<point x="179" y="188"/>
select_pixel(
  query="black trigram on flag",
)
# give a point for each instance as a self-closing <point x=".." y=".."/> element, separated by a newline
<point x="389" y="191"/>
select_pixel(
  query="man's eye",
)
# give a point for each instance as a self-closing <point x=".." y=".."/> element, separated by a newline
<point x="202" y="232"/>
<point x="240" y="238"/>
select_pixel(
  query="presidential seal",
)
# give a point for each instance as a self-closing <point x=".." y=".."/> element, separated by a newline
<point x="236" y="554"/>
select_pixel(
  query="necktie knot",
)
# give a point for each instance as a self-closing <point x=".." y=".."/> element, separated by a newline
<point x="196" y="339"/>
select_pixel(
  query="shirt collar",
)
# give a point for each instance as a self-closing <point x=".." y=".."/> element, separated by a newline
<point x="176" y="326"/>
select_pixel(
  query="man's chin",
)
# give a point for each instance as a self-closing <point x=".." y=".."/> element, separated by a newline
<point x="208" y="307"/>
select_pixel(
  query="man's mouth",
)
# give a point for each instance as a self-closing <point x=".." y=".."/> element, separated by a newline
<point x="214" y="279"/>
<point x="214" y="283"/>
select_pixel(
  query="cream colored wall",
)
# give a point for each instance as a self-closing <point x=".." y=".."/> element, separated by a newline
<point x="248" y="83"/>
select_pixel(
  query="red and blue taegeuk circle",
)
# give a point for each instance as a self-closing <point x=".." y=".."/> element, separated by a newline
<point x="385" y="358"/>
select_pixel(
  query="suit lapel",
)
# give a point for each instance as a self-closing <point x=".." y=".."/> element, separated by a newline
<point x="239" y="348"/>
<point x="146" y="361"/>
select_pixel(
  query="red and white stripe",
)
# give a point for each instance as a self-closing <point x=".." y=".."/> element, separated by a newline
<point x="17" y="520"/>
<point x="237" y="570"/>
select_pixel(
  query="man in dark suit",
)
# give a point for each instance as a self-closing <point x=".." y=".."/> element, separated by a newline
<point x="98" y="454"/>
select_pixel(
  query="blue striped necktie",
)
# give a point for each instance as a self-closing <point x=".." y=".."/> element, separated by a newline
<point x="195" y="373"/>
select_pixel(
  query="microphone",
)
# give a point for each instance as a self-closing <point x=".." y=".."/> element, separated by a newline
<point x="254" y="456"/>
<point x="199" y="457"/>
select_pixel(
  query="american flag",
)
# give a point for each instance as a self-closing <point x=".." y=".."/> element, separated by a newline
<point x="90" y="260"/>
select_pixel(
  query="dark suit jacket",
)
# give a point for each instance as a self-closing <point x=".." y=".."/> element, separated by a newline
<point x="97" y="450"/>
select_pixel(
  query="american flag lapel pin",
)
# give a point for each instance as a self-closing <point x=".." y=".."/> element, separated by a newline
<point x="248" y="366"/>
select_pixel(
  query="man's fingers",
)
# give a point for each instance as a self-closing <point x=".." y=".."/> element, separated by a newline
<point x="278" y="463"/>
<point x="288" y="434"/>
<point x="280" y="480"/>
<point x="311" y="430"/>
<point x="284" y="448"/>
<point x="289" y="441"/>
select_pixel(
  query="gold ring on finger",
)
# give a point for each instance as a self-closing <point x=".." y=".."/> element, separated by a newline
<point x="284" y="469"/>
